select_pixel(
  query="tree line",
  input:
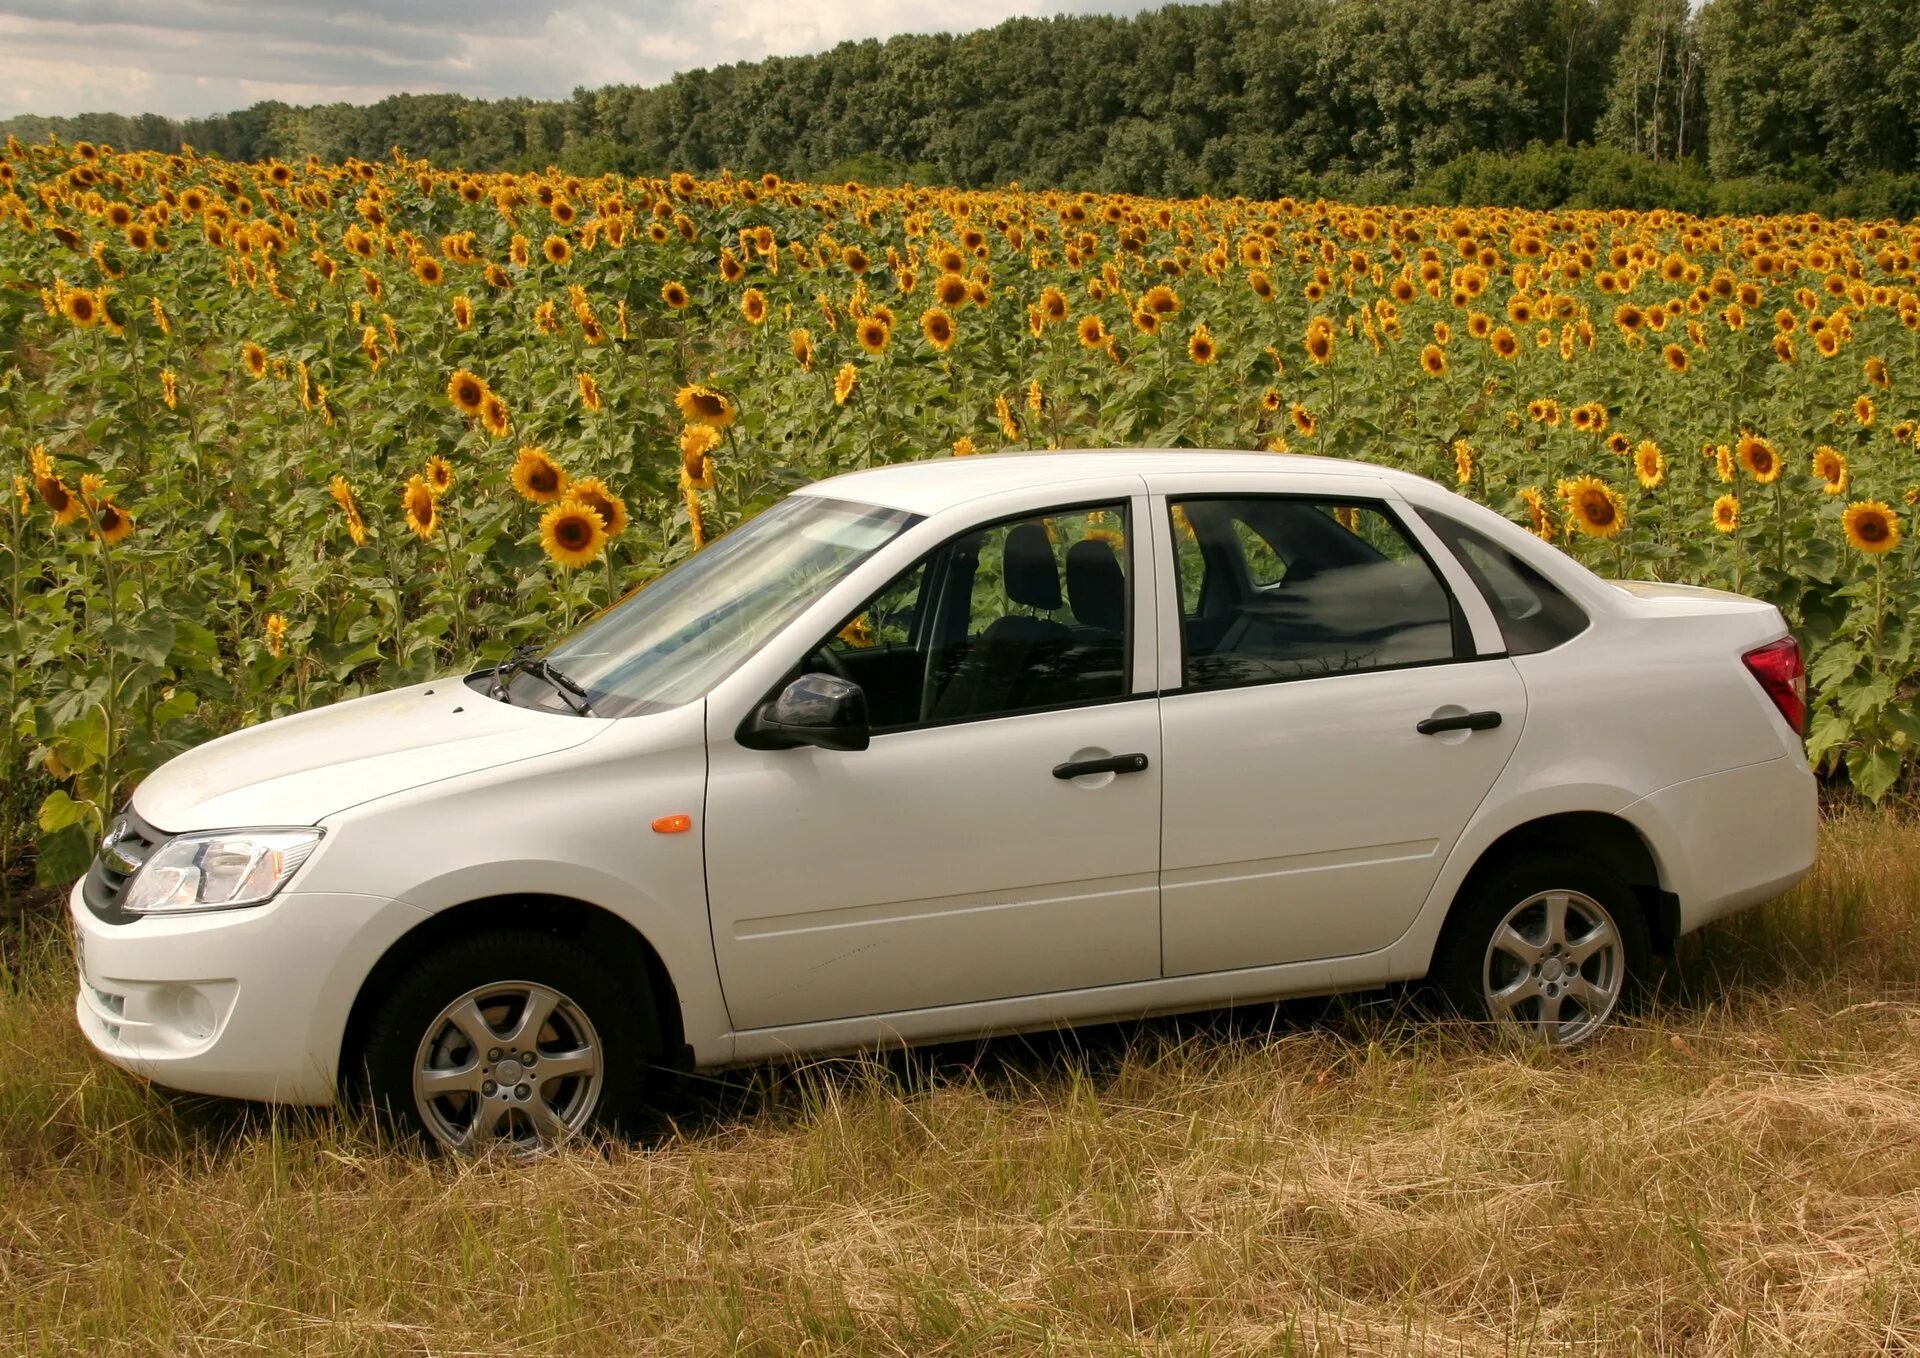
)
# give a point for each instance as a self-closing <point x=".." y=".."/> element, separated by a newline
<point x="1784" y="100"/>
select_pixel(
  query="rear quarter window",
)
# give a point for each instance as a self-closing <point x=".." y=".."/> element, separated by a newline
<point x="1533" y="613"/>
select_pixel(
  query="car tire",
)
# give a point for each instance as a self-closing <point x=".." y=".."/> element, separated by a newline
<point x="513" y="1040"/>
<point x="1545" y="946"/>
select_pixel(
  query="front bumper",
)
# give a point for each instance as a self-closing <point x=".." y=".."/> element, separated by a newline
<point x="246" y="1004"/>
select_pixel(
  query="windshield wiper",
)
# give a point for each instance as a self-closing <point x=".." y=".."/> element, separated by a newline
<point x="526" y="660"/>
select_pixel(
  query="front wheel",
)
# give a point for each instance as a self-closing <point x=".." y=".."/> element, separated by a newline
<point x="511" y="1039"/>
<point x="1549" y="947"/>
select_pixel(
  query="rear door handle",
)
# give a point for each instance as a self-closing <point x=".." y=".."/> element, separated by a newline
<point x="1466" y="721"/>
<point x="1118" y="763"/>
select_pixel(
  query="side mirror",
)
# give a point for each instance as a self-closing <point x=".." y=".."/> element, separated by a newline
<point x="815" y="709"/>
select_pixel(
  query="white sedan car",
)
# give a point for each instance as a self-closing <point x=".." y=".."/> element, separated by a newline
<point x="959" y="747"/>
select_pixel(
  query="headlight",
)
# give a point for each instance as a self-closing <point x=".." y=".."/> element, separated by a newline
<point x="218" y="870"/>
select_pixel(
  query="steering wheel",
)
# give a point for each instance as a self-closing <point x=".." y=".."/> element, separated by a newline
<point x="830" y="662"/>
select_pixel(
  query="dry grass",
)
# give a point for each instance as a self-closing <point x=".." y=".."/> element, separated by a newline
<point x="1737" y="1172"/>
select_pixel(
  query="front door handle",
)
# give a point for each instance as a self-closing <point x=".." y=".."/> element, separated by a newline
<point x="1466" y="721"/>
<point x="1117" y="763"/>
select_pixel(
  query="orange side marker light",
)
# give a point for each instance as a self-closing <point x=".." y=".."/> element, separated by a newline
<point x="672" y="825"/>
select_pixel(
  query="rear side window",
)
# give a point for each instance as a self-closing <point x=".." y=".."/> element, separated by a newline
<point x="1285" y="587"/>
<point x="1532" y="612"/>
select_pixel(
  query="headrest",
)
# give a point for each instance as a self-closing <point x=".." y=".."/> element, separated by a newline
<point x="1032" y="578"/>
<point x="1096" y="585"/>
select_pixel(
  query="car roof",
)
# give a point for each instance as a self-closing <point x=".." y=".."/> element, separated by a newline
<point x="927" y="486"/>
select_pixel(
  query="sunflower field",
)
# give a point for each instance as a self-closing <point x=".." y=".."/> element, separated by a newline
<point x="281" y="434"/>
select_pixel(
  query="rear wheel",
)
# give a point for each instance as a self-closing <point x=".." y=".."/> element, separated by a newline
<point x="512" y="1040"/>
<point x="1548" y="947"/>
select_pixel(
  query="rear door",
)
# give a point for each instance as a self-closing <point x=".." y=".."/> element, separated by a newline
<point x="1332" y="715"/>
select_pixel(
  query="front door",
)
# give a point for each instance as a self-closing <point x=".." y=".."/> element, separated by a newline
<point x="1307" y="810"/>
<point x="960" y="857"/>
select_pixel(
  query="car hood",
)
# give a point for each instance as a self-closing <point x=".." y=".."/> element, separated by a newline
<point x="300" y="769"/>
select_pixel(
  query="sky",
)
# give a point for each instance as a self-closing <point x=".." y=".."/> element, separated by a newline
<point x="185" y="58"/>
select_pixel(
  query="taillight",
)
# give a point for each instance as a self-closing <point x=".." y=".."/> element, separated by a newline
<point x="1783" y="675"/>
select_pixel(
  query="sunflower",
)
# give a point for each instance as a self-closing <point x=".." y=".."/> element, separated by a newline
<point x="538" y="477"/>
<point x="1303" y="420"/>
<point x="1261" y="284"/>
<point x="1092" y="332"/>
<point x="1594" y="507"/>
<point x="1270" y="400"/>
<point x="572" y="534"/>
<point x="423" y="511"/>
<point x="1726" y="514"/>
<point x="802" y="344"/>
<point x="111" y="522"/>
<point x="1758" y="457"/>
<point x="495" y="416"/>
<point x="843" y="383"/>
<point x="428" y="270"/>
<point x="1161" y="300"/>
<point x="674" y="295"/>
<point x="1148" y="321"/>
<point x="937" y="325"/>
<point x="556" y="250"/>
<point x="1649" y="465"/>
<point x="1676" y="357"/>
<point x="1200" y="346"/>
<point x="964" y="446"/>
<point x="1876" y="370"/>
<point x="873" y="334"/>
<point x="1462" y="462"/>
<point x="343" y="496"/>
<point x="951" y="290"/>
<point x="467" y="392"/>
<point x="1863" y="410"/>
<point x="82" y="307"/>
<point x="439" y="475"/>
<point x="1723" y="463"/>
<point x="1504" y="343"/>
<point x="592" y="492"/>
<point x="255" y="358"/>
<point x="66" y="506"/>
<point x="696" y="466"/>
<point x="1433" y="360"/>
<point x="276" y="633"/>
<point x="1537" y="510"/>
<point x="589" y="392"/>
<point x="1831" y="468"/>
<point x="1319" y="340"/>
<point x="703" y="405"/>
<point x="463" y="312"/>
<point x="753" y="305"/>
<point x="1871" y="526"/>
<point x="1053" y="303"/>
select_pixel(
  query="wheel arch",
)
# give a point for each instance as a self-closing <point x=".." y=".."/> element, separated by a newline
<point x="605" y="932"/>
<point x="1610" y="838"/>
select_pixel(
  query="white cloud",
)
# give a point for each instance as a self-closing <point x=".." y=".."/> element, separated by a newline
<point x="187" y="57"/>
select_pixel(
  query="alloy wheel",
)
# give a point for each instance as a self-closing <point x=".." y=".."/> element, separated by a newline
<point x="1555" y="967"/>
<point x="513" y="1064"/>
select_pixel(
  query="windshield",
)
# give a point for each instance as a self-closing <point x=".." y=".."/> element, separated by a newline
<point x="674" y="639"/>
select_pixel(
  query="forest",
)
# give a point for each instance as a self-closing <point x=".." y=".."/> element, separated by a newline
<point x="1735" y="106"/>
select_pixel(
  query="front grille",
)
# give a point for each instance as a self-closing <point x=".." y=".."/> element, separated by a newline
<point x="122" y="852"/>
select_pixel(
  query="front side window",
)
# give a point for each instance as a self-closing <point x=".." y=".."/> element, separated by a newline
<point x="1284" y="587"/>
<point x="1019" y="616"/>
<point x="672" y="641"/>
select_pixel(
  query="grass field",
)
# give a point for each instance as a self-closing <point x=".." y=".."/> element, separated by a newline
<point x="1736" y="1171"/>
